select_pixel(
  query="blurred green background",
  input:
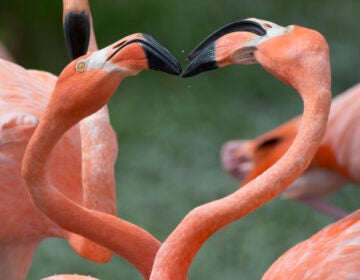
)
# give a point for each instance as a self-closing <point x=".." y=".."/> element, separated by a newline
<point x="170" y="130"/>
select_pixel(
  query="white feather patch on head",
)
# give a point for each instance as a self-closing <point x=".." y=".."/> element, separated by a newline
<point x="272" y="30"/>
<point x="98" y="60"/>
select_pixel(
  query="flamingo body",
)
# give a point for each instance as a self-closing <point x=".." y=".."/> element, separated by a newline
<point x="79" y="161"/>
<point x="23" y="97"/>
<point x="332" y="253"/>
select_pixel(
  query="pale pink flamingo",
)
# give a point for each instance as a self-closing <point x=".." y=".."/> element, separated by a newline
<point x="335" y="163"/>
<point x="298" y="57"/>
<point x="24" y="95"/>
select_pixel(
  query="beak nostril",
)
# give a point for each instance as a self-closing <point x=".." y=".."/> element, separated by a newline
<point x="268" y="25"/>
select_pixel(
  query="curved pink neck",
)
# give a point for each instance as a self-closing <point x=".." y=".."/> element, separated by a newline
<point x="179" y="249"/>
<point x="129" y="241"/>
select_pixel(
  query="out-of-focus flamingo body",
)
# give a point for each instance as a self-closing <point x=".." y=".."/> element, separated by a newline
<point x="332" y="253"/>
<point x="78" y="158"/>
<point x="23" y="97"/>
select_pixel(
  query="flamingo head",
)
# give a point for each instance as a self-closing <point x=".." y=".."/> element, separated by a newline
<point x="88" y="82"/>
<point x="278" y="49"/>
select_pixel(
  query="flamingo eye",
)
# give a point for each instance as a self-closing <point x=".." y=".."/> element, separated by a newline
<point x="81" y="66"/>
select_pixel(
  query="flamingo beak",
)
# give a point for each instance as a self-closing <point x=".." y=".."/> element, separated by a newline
<point x="205" y="56"/>
<point x="159" y="58"/>
<point x="77" y="27"/>
<point x="156" y="56"/>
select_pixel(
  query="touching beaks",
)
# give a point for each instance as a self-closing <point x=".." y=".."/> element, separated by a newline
<point x="76" y="25"/>
<point x="141" y="51"/>
<point x="159" y="58"/>
<point x="232" y="43"/>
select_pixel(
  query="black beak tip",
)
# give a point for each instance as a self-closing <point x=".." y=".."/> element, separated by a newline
<point x="177" y="69"/>
<point x="77" y="33"/>
<point x="186" y="74"/>
<point x="159" y="58"/>
<point x="196" y="68"/>
<point x="167" y="64"/>
<point x="201" y="61"/>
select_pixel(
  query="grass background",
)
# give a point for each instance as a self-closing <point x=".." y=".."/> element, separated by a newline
<point x="170" y="130"/>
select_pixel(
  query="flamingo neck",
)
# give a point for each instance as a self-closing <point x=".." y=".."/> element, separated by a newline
<point x="129" y="241"/>
<point x="178" y="251"/>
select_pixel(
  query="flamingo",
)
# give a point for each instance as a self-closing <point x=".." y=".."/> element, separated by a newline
<point x="335" y="163"/>
<point x="24" y="95"/>
<point x="85" y="156"/>
<point x="299" y="57"/>
<point x="84" y="87"/>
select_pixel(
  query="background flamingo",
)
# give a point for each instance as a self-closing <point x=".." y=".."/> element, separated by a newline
<point x="24" y="95"/>
<point x="332" y="253"/>
<point x="335" y="163"/>
<point x="298" y="57"/>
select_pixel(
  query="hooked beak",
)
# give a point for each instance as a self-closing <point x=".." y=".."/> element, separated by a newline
<point x="157" y="56"/>
<point x="77" y="28"/>
<point x="204" y="57"/>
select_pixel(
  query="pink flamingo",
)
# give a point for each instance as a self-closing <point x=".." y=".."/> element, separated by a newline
<point x="334" y="164"/>
<point x="298" y="57"/>
<point x="24" y="95"/>
<point x="82" y="162"/>
<point x="84" y="87"/>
